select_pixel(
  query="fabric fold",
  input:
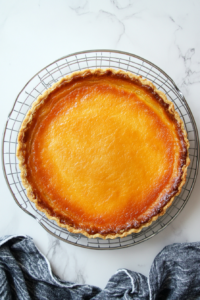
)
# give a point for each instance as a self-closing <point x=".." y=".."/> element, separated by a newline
<point x="25" y="273"/>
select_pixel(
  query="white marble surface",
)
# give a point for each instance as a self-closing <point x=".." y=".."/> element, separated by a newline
<point x="35" y="33"/>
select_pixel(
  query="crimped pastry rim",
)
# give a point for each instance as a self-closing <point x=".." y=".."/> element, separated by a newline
<point x="39" y="102"/>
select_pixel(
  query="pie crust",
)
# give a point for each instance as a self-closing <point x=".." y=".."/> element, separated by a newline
<point x="103" y="153"/>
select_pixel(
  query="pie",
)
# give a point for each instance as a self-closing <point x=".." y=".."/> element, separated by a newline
<point x="103" y="153"/>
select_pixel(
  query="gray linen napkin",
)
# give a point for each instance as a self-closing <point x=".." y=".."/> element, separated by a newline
<point x="26" y="274"/>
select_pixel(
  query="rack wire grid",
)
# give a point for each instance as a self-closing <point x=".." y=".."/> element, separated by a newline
<point x="51" y="74"/>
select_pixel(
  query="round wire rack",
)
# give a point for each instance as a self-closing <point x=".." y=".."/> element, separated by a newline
<point x="51" y="74"/>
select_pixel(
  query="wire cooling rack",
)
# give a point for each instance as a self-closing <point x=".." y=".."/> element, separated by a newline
<point x="51" y="74"/>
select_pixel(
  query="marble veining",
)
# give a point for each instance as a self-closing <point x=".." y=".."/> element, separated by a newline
<point x="65" y="265"/>
<point x="113" y="18"/>
<point x="80" y="7"/>
<point x="122" y="4"/>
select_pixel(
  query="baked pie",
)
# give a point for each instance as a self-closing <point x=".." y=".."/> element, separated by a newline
<point x="103" y="152"/>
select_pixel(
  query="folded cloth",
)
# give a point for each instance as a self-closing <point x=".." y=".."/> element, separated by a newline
<point x="26" y="274"/>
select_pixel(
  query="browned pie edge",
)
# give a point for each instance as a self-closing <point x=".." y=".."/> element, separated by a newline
<point x="21" y="149"/>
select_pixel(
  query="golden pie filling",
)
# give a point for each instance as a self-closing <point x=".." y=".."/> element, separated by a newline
<point x="103" y="153"/>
